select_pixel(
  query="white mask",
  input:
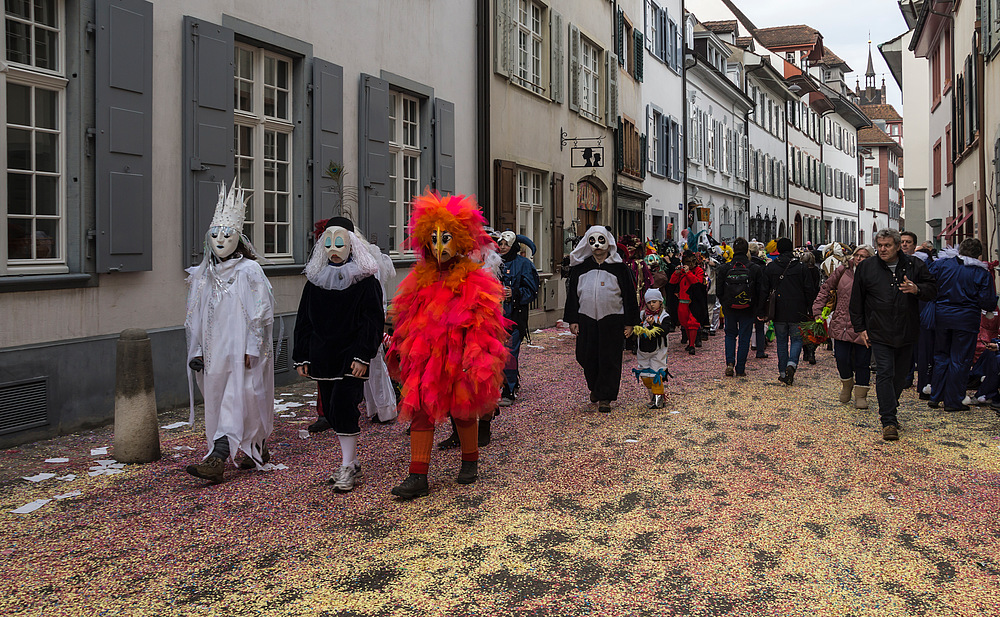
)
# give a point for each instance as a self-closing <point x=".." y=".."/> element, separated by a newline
<point x="223" y="241"/>
<point x="598" y="242"/>
<point x="336" y="242"/>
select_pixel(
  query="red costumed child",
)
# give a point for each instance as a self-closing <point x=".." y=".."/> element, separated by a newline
<point x="687" y="275"/>
<point x="449" y="331"/>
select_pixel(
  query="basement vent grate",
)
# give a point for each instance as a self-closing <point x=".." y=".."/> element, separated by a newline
<point x="23" y="405"/>
<point x="280" y="359"/>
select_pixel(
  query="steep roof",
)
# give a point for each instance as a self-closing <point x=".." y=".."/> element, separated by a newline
<point x="874" y="136"/>
<point x="881" y="112"/>
<point x="788" y="36"/>
<point x="722" y="27"/>
<point x="745" y="42"/>
<point x="832" y="59"/>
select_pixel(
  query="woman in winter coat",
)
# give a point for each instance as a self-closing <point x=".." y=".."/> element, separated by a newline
<point x="853" y="357"/>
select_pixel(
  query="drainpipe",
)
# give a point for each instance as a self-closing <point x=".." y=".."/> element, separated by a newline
<point x="483" y="75"/>
<point x="984" y="227"/>
<point x="682" y="220"/>
<point x="614" y="128"/>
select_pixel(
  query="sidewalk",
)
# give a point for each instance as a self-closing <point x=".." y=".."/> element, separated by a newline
<point x="742" y="497"/>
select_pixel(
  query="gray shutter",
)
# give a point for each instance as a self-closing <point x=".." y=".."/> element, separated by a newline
<point x="611" y="92"/>
<point x="373" y="161"/>
<point x="574" y="68"/>
<point x="557" y="92"/>
<point x="124" y="140"/>
<point x="557" y="222"/>
<point x="620" y="39"/>
<point x="328" y="136"/>
<point x="503" y="37"/>
<point x="665" y="147"/>
<point x="444" y="147"/>
<point x="208" y="127"/>
<point x="676" y="139"/>
<point x="640" y="53"/>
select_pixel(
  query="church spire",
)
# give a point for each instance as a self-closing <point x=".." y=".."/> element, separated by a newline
<point x="871" y="66"/>
<point x="870" y="74"/>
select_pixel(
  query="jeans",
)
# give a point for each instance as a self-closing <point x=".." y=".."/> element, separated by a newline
<point x="511" y="372"/>
<point x="853" y="360"/>
<point x="788" y="352"/>
<point x="893" y="366"/>
<point x="739" y="324"/>
<point x="953" y="353"/>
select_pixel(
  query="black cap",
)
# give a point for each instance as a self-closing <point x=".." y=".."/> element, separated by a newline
<point x="339" y="221"/>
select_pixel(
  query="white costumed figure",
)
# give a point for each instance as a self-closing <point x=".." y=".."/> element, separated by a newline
<point x="230" y="311"/>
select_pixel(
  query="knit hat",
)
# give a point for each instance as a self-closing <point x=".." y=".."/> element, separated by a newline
<point x="653" y="295"/>
<point x="784" y="245"/>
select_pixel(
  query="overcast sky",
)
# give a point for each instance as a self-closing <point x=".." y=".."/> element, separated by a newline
<point x="845" y="25"/>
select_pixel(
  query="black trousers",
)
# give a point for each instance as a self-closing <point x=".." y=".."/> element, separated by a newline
<point x="599" y="352"/>
<point x="341" y="398"/>
<point x="894" y="367"/>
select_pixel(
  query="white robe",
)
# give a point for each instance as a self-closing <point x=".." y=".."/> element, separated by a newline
<point x="230" y="315"/>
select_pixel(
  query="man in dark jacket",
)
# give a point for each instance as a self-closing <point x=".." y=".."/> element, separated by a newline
<point x="738" y="287"/>
<point x="885" y="313"/>
<point x="795" y="289"/>
<point x="965" y="289"/>
<point x="520" y="287"/>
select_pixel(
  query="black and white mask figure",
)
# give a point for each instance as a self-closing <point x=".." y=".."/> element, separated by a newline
<point x="336" y="242"/>
<point x="597" y="242"/>
<point x="598" y="245"/>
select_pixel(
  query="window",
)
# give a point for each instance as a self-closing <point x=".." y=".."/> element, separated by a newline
<point x="263" y="147"/>
<point x="949" y="164"/>
<point x="632" y="147"/>
<point x="628" y="49"/>
<point x="529" y="210"/>
<point x="404" y="162"/>
<point x="654" y="131"/>
<point x="935" y="59"/>
<point x="33" y="203"/>
<point x="529" y="45"/>
<point x="590" y="69"/>
<point x="936" y="164"/>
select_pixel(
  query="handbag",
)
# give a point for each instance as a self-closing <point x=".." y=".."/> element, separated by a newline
<point x="772" y="296"/>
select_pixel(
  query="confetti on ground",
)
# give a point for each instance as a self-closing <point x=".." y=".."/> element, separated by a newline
<point x="28" y="508"/>
<point x="39" y="477"/>
<point x="57" y="460"/>
<point x="174" y="425"/>
<point x="743" y="497"/>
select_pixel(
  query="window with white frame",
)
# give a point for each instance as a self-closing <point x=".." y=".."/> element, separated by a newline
<point x="33" y="204"/>
<point x="262" y="114"/>
<point x="590" y="80"/>
<point x="530" y="221"/>
<point x="653" y="131"/>
<point x="404" y="162"/>
<point x="529" y="44"/>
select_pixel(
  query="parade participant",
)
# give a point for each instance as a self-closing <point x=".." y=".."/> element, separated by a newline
<point x="986" y="364"/>
<point x="338" y="331"/>
<point x="685" y="277"/>
<point x="448" y="343"/>
<point x="520" y="286"/>
<point x="230" y="311"/>
<point x="600" y="309"/>
<point x="652" y="354"/>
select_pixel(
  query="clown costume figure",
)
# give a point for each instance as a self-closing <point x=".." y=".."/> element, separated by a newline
<point x="601" y="305"/>
<point x="338" y="331"/>
<point x="448" y="341"/>
<point x="652" y="355"/>
<point x="230" y="311"/>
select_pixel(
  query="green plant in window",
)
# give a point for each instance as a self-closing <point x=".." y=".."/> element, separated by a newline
<point x="347" y="196"/>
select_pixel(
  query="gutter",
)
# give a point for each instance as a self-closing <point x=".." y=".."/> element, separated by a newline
<point x="483" y="76"/>
<point x="684" y="99"/>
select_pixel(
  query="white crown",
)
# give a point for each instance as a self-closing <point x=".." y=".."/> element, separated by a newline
<point x="231" y="209"/>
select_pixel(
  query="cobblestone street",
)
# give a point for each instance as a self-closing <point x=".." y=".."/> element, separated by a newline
<point x="742" y="497"/>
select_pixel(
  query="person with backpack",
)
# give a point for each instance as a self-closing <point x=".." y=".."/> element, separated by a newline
<point x="739" y="288"/>
<point x="794" y="288"/>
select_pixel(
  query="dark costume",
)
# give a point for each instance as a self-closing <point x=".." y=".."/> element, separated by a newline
<point x="518" y="274"/>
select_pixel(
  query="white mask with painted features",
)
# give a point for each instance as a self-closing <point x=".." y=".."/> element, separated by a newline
<point x="223" y="241"/>
<point x="598" y="242"/>
<point x="336" y="242"/>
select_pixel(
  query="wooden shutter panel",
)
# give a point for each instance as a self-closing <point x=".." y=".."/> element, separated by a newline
<point x="124" y="140"/>
<point x="503" y="37"/>
<point x="620" y="39"/>
<point x="620" y="147"/>
<point x="208" y="127"/>
<point x="328" y="136"/>
<point x="664" y="162"/>
<point x="557" y="90"/>
<point x="444" y="147"/>
<point x="611" y="92"/>
<point x="373" y="161"/>
<point x="677" y="140"/>
<point x="574" y="68"/>
<point x="505" y="189"/>
<point x="640" y="53"/>
<point x="557" y="221"/>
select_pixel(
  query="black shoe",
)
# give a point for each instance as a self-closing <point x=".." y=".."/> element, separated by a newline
<point x="959" y="408"/>
<point x="690" y="349"/>
<point x="469" y="472"/>
<point x="812" y="359"/>
<point x="593" y="398"/>
<point x="741" y="374"/>
<point x="450" y="443"/>
<point x="697" y="342"/>
<point x="790" y="375"/>
<point x="319" y="426"/>
<point x="924" y="397"/>
<point x="933" y="404"/>
<point x="415" y="485"/>
<point x="485" y="434"/>
<point x="604" y="406"/>
<point x="762" y="355"/>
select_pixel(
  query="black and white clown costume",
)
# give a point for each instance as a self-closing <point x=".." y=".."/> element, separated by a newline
<point x="602" y="301"/>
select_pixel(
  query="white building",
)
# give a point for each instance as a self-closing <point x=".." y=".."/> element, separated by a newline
<point x="662" y="94"/>
<point x="718" y="198"/>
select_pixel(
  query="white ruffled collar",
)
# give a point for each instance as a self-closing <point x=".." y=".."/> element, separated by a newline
<point x="338" y="278"/>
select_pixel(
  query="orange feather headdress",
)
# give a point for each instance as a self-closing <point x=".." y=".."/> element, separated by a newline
<point x="459" y="214"/>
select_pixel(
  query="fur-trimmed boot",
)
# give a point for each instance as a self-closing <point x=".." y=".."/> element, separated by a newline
<point x="846" y="390"/>
<point x="861" y="397"/>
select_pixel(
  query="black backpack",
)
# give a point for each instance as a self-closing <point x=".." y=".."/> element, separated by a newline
<point x="738" y="291"/>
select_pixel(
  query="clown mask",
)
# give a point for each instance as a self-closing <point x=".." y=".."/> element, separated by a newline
<point x="441" y="245"/>
<point x="336" y="242"/>
<point x="653" y="261"/>
<point x="506" y="241"/>
<point x="598" y="245"/>
<point x="223" y="241"/>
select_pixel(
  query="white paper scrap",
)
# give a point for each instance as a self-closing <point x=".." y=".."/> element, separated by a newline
<point x="69" y="494"/>
<point x="39" y="477"/>
<point x="534" y="346"/>
<point x="314" y="396"/>
<point x="171" y="426"/>
<point x="96" y="473"/>
<point x="631" y="441"/>
<point x="272" y="467"/>
<point x="183" y="448"/>
<point x="565" y="334"/>
<point x="106" y="462"/>
<point x="537" y="332"/>
<point x="31" y="507"/>
<point x="57" y="460"/>
<point x="673" y="412"/>
<point x="98" y="451"/>
<point x="117" y="465"/>
<point x="291" y="405"/>
<point x="67" y="478"/>
<point x="286" y="394"/>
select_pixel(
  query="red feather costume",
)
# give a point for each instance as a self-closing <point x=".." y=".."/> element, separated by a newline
<point x="449" y="329"/>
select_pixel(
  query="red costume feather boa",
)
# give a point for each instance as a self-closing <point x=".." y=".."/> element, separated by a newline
<point x="449" y="331"/>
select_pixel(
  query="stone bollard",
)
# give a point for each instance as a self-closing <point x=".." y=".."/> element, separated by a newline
<point x="137" y="430"/>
